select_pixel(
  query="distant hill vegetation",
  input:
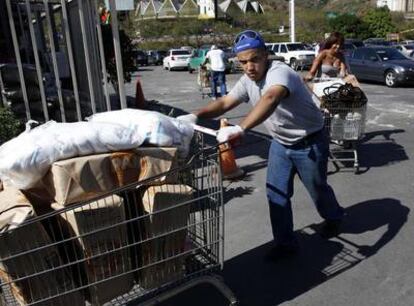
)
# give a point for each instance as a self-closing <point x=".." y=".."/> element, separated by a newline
<point x="340" y="6"/>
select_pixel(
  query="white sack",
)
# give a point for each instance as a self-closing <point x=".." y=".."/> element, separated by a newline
<point x="25" y="159"/>
<point x="156" y="128"/>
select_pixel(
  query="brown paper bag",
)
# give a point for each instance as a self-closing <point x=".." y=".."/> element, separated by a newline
<point x="166" y="231"/>
<point x="15" y="239"/>
<point x="83" y="178"/>
<point x="98" y="265"/>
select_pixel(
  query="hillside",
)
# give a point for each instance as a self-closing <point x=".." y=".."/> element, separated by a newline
<point x="340" y="6"/>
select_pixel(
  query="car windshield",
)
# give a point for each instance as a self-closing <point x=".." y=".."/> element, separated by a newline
<point x="358" y="44"/>
<point x="296" y="47"/>
<point x="347" y="46"/>
<point x="180" y="52"/>
<point x="390" y="54"/>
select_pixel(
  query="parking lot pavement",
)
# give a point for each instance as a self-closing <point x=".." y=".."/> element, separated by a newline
<point x="370" y="263"/>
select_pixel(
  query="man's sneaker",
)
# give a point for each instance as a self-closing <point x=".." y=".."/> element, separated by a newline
<point x="330" y="228"/>
<point x="281" y="252"/>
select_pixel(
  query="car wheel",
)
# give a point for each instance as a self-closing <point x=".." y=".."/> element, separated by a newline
<point x="390" y="78"/>
<point x="189" y="69"/>
<point x="294" y="64"/>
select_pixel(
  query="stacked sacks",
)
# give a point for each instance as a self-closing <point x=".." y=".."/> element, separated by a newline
<point x="91" y="235"/>
<point x="32" y="276"/>
<point x="166" y="212"/>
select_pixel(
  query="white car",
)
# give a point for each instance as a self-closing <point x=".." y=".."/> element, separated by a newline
<point x="176" y="59"/>
<point x="407" y="50"/>
<point x="295" y="54"/>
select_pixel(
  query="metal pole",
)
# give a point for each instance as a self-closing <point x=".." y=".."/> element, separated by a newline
<point x="18" y="59"/>
<point x="71" y="60"/>
<point x="54" y="59"/>
<point x="87" y="59"/>
<point x="118" y="56"/>
<point x="102" y="55"/>
<point x="292" y="21"/>
<point x="23" y="33"/>
<point x="3" y="97"/>
<point x="37" y="60"/>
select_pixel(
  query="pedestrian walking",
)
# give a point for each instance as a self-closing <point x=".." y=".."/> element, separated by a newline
<point x="299" y="145"/>
<point x="216" y="57"/>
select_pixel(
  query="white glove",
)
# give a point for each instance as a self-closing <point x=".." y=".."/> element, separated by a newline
<point x="191" y="118"/>
<point x="229" y="132"/>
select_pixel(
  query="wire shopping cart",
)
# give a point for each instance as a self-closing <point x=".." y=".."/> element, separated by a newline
<point x="203" y="81"/>
<point x="139" y="244"/>
<point x="344" y="108"/>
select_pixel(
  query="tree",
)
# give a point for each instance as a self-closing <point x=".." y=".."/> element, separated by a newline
<point x="350" y="26"/>
<point x="379" y="22"/>
<point x="127" y="54"/>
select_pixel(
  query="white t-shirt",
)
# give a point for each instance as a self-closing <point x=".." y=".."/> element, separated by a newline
<point x="296" y="116"/>
<point x="216" y="58"/>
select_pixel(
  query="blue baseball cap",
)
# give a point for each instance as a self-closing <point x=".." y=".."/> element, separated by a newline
<point x="248" y="39"/>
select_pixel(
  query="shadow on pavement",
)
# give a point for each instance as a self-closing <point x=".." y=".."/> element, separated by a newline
<point x="268" y="284"/>
<point x="379" y="149"/>
<point x="260" y="283"/>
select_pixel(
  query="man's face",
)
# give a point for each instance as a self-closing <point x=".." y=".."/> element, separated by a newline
<point x="254" y="63"/>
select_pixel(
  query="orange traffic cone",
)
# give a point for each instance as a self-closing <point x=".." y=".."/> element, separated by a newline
<point x="140" y="102"/>
<point x="229" y="167"/>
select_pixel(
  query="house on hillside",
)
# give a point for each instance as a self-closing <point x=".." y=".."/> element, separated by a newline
<point x="202" y="9"/>
<point x="405" y="6"/>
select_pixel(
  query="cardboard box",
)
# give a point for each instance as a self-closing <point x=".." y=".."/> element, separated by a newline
<point x="83" y="178"/>
<point x="166" y="231"/>
<point x="99" y="248"/>
<point x="15" y="239"/>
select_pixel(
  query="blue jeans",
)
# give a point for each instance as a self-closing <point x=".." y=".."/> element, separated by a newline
<point x="309" y="159"/>
<point x="218" y="78"/>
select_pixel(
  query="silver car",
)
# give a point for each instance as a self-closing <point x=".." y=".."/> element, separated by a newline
<point x="381" y="64"/>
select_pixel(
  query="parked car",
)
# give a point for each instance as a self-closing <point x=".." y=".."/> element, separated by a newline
<point x="348" y="48"/>
<point x="381" y="64"/>
<point x="295" y="54"/>
<point x="355" y="42"/>
<point x="176" y="59"/>
<point x="140" y="58"/>
<point x="405" y="49"/>
<point x="156" y="57"/>
<point x="197" y="58"/>
<point x="376" y="42"/>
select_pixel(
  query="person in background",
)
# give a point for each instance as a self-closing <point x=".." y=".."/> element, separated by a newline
<point x="299" y="145"/>
<point x="216" y="57"/>
<point x="330" y="61"/>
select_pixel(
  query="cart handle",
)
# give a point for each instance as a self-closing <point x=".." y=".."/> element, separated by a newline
<point x="205" y="130"/>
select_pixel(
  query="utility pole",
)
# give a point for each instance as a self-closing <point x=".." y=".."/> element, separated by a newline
<point x="216" y="9"/>
<point x="292" y="20"/>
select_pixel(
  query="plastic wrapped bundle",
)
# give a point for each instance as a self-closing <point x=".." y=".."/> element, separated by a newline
<point x="158" y="129"/>
<point x="25" y="159"/>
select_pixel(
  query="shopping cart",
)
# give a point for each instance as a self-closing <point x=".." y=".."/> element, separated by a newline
<point x="344" y="108"/>
<point x="203" y="81"/>
<point x="138" y="245"/>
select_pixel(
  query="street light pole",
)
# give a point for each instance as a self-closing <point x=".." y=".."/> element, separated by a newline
<point x="292" y="20"/>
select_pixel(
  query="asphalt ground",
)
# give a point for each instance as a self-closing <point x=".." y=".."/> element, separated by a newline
<point x="370" y="263"/>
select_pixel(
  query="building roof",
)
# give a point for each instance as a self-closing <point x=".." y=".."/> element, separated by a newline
<point x="168" y="9"/>
<point x="189" y="9"/>
<point x="246" y="6"/>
